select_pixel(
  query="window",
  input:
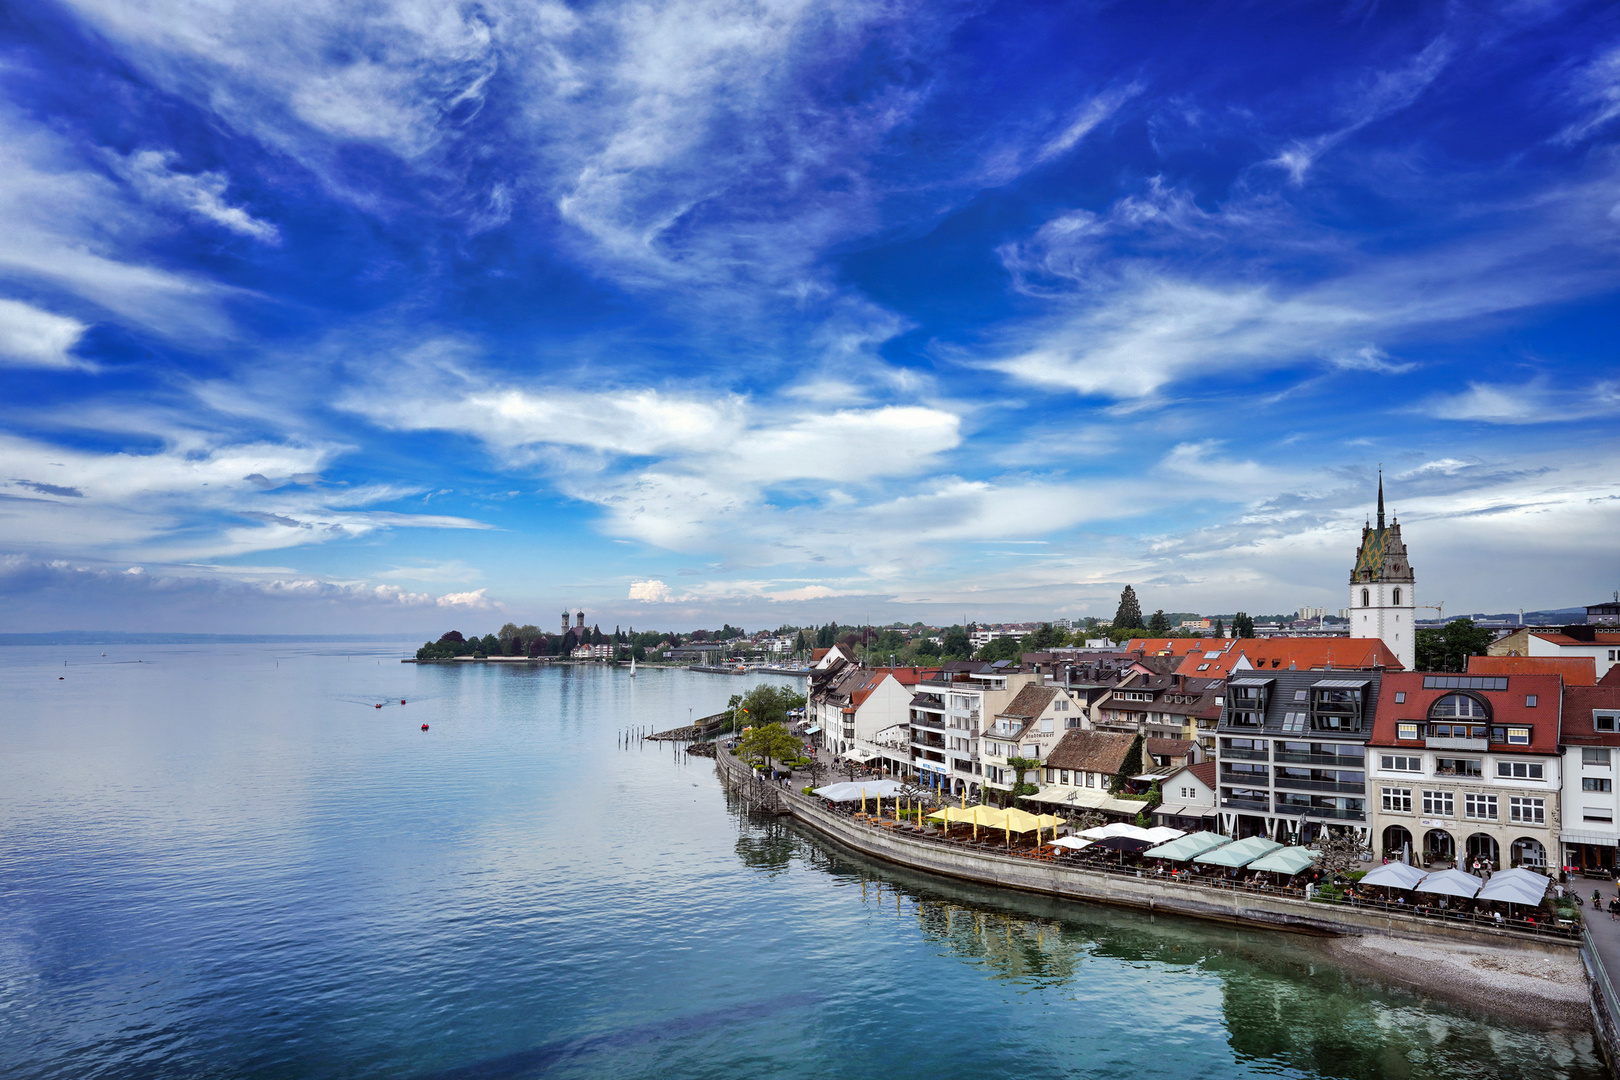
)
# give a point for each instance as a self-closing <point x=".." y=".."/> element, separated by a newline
<point x="1527" y="811"/>
<point x="1406" y="731"/>
<point x="1459" y="705"/>
<point x="1366" y="598"/>
<point x="1520" y="770"/>
<point x="1046" y="726"/>
<point x="1605" y="721"/>
<point x="1299" y="695"/>
<point x="1479" y="807"/>
<point x="1597" y="813"/>
<point x="1596" y="783"/>
<point x="1438" y="803"/>
<point x="1518" y="736"/>
<point x="1529" y="701"/>
<point x="1397" y="598"/>
<point x="1457" y="767"/>
<point x="1398" y="800"/>
<point x="1400" y="697"/>
<point x="1465" y="682"/>
<point x="1050" y="775"/>
<point x="1091" y="779"/>
<point x="1590" y="756"/>
<point x="1399" y="763"/>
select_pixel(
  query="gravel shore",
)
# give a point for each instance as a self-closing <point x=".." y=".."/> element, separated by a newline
<point x="1544" y="989"/>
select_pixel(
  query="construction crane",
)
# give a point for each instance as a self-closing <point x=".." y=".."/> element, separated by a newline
<point x="1439" y="609"/>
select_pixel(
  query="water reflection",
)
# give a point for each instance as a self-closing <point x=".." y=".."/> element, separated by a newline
<point x="1276" y="999"/>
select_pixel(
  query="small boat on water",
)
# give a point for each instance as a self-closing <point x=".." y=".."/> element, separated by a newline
<point x="632" y="667"/>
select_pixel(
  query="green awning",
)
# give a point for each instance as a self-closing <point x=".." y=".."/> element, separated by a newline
<point x="1239" y="853"/>
<point x="1186" y="847"/>
<point x="1290" y="860"/>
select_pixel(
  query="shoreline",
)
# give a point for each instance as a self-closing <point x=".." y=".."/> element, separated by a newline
<point x="1538" y="982"/>
<point x="1539" y="990"/>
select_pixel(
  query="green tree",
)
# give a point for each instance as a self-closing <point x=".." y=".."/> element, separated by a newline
<point x="1242" y="626"/>
<point x="1448" y="648"/>
<point x="1159" y="625"/>
<point x="490" y="646"/>
<point x="772" y="742"/>
<point x="1131" y="766"/>
<point x="1220" y="631"/>
<point x="1001" y="648"/>
<point x="506" y="633"/>
<point x="956" y="644"/>
<point x="1129" y="615"/>
<point x="1046" y="636"/>
<point x="927" y="648"/>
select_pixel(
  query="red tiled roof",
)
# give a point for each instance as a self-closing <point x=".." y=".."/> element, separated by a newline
<point x="1612" y="678"/>
<point x="818" y="654"/>
<point x="1600" y="637"/>
<point x="1576" y="670"/>
<point x="1278" y="653"/>
<point x="1579" y="701"/>
<point x="1205" y="771"/>
<point x="1160" y="646"/>
<point x="1507" y="707"/>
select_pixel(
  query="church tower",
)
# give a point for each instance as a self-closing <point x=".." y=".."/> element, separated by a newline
<point x="1381" y="588"/>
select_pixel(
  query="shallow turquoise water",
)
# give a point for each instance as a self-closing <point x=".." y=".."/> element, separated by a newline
<point x="223" y="861"/>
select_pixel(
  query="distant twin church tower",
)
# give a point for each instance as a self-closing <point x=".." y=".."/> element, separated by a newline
<point x="1382" y="599"/>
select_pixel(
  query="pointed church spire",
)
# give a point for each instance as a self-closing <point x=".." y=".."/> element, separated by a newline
<point x="1380" y="497"/>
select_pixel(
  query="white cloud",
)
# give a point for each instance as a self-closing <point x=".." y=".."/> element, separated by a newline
<point x="70" y="229"/>
<point x="30" y="337"/>
<point x="202" y="194"/>
<point x="651" y="592"/>
<point x="1375" y="96"/>
<point x="1533" y="402"/>
<point x="187" y="503"/>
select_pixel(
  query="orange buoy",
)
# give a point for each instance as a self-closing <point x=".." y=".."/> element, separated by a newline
<point x="379" y="704"/>
<point x="424" y="727"/>
<point x="402" y="701"/>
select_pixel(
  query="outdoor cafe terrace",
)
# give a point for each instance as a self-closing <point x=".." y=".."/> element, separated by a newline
<point x="1515" y="900"/>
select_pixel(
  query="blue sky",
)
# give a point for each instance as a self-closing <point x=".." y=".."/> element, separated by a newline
<point x="409" y="315"/>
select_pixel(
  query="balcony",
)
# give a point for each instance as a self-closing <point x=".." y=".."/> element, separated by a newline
<point x="1246" y="804"/>
<point x="1246" y="779"/>
<point x="927" y="738"/>
<point x="1478" y="746"/>
<point x="1341" y="786"/>
<point x="1333" y="761"/>
<point x="1244" y="755"/>
<point x="923" y="720"/>
<point x="1322" y="812"/>
<point x="918" y="754"/>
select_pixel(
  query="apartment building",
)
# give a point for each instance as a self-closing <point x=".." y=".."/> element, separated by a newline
<point x="1590" y="810"/>
<point x="947" y="715"/>
<point x="1467" y="767"/>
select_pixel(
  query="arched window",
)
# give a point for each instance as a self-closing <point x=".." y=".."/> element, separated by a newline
<point x="1459" y="707"/>
<point x="1366" y="598"/>
<point x="1397" y="598"/>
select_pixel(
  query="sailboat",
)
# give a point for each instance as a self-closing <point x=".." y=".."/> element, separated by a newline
<point x="632" y="667"/>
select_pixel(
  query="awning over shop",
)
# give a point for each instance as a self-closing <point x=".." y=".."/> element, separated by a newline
<point x="1516" y="886"/>
<point x="861" y="754"/>
<point x="1595" y="839"/>
<point x="1188" y="847"/>
<point x="1239" y="852"/>
<point x="1185" y="810"/>
<point x="1289" y="860"/>
<point x="812" y="729"/>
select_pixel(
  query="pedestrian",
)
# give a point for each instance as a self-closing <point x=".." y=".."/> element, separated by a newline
<point x="1614" y="910"/>
<point x="1596" y="900"/>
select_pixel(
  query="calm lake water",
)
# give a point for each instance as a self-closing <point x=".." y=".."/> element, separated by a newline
<point x="223" y="861"/>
